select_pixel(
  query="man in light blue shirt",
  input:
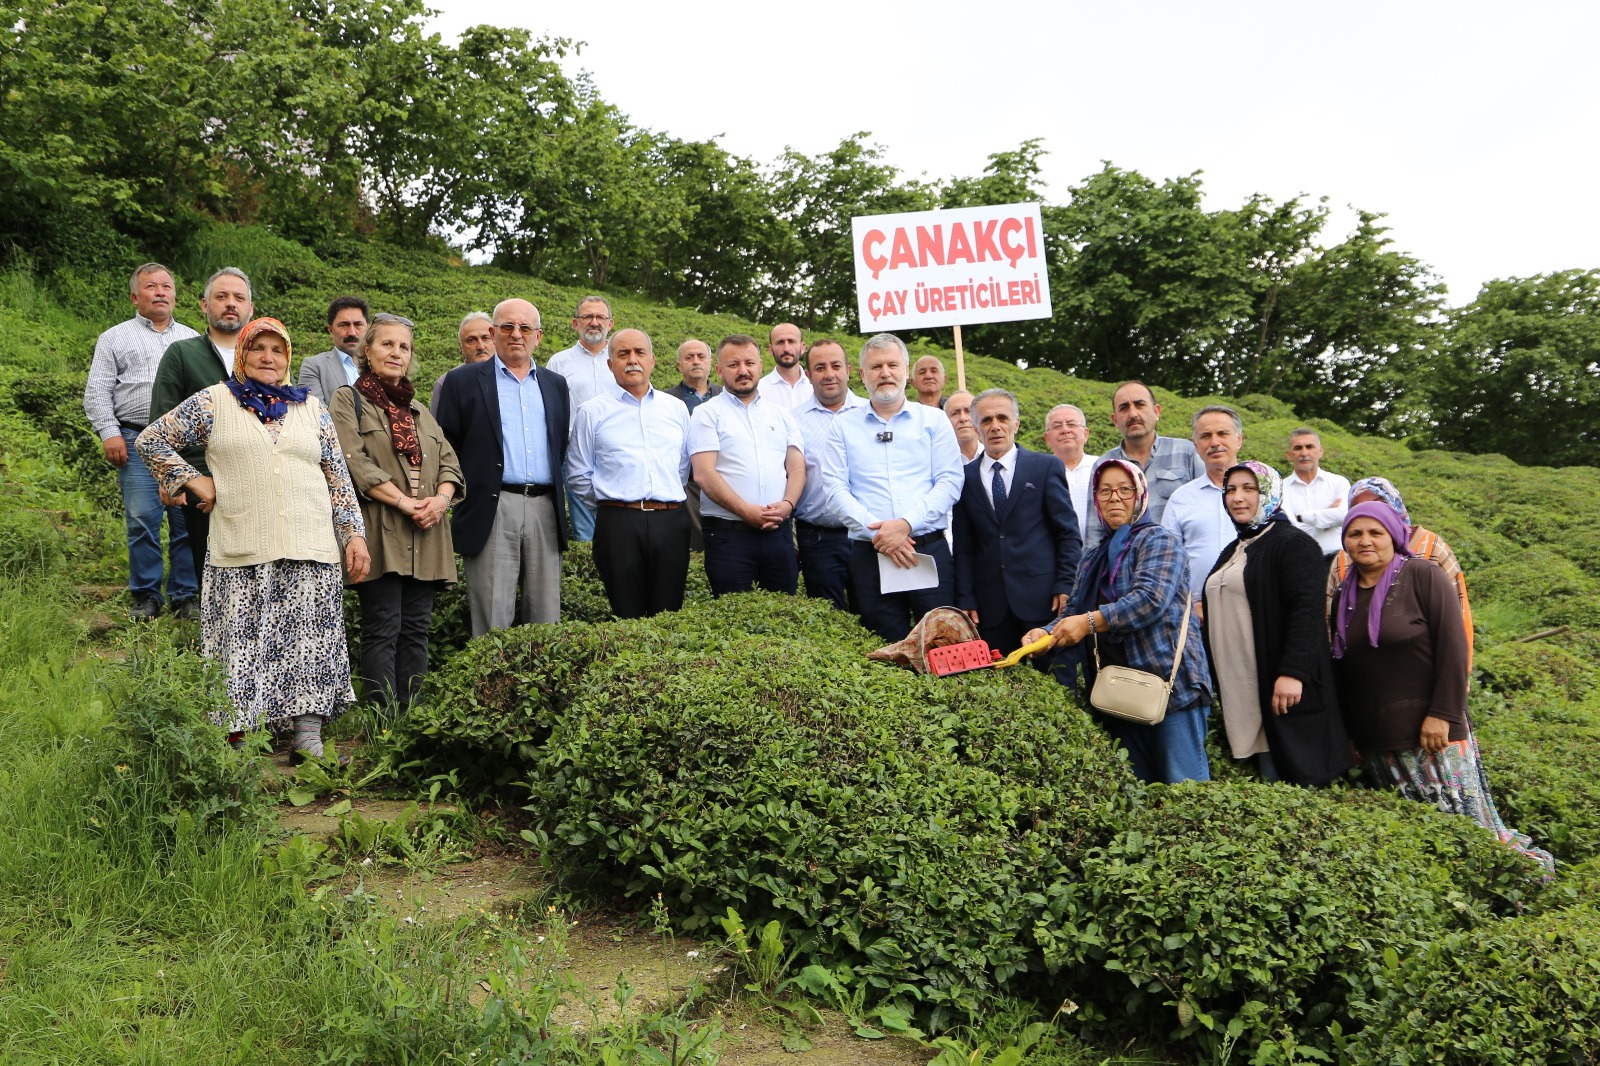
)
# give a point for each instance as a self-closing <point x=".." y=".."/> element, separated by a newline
<point x="892" y="473"/>
<point x="629" y="459"/>
<point x="819" y="533"/>
<point x="1196" y="511"/>
<point x="328" y="371"/>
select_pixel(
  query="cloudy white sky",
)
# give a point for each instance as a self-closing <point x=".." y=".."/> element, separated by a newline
<point x="1473" y="126"/>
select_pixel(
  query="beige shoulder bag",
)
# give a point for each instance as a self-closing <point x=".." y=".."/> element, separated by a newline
<point x="1134" y="695"/>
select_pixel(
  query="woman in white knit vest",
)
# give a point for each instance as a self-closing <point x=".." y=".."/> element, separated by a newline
<point x="272" y="603"/>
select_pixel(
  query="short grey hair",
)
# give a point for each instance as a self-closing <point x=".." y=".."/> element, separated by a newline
<point x="1066" y="407"/>
<point x="231" y="272"/>
<point x="885" y="340"/>
<point x="989" y="394"/>
<point x="591" y="299"/>
<point x="141" y="270"/>
<point x="474" y="316"/>
<point x="1304" y="431"/>
<point x="1217" y="409"/>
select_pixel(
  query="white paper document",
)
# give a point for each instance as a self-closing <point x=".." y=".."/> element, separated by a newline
<point x="891" y="578"/>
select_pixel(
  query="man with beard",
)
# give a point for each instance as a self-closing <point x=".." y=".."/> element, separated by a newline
<point x="630" y="459"/>
<point x="787" y="385"/>
<point x="335" y="368"/>
<point x="820" y="534"/>
<point x="1196" y="511"/>
<point x="475" y="340"/>
<point x="892" y="473"/>
<point x="747" y="459"/>
<point x="586" y="368"/>
<point x="116" y="400"/>
<point x="1168" y="462"/>
<point x="187" y="366"/>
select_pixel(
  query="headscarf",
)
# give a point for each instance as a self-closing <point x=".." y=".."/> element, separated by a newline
<point x="395" y="400"/>
<point x="1099" y="573"/>
<point x="1344" y="606"/>
<point x="269" y="403"/>
<point x="1271" y="485"/>
<point x="1384" y="490"/>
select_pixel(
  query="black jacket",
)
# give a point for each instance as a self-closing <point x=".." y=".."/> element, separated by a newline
<point x="469" y="414"/>
<point x="1285" y="578"/>
<point x="1017" y="559"/>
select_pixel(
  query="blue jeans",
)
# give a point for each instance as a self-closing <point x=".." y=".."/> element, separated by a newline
<point x="1173" y="751"/>
<point x="740" y="558"/>
<point x="581" y="513"/>
<point x="141" y="503"/>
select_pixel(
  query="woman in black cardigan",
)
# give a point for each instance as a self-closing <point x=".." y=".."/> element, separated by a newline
<point x="1267" y="639"/>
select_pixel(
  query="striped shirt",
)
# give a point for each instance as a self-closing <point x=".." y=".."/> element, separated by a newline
<point x="122" y="372"/>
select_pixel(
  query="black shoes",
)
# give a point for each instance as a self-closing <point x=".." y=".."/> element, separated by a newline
<point x="188" y="610"/>
<point x="145" y="608"/>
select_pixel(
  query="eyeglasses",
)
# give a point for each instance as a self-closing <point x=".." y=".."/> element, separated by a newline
<point x="594" y="318"/>
<point x="1066" y="425"/>
<point x="1127" y="492"/>
<point x="509" y="328"/>
<point x="385" y="319"/>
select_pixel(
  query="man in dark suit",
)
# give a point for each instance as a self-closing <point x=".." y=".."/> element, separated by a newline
<point x="327" y="372"/>
<point x="1016" y="536"/>
<point x="508" y="421"/>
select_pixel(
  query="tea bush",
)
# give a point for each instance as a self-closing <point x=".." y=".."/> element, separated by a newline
<point x="1260" y="913"/>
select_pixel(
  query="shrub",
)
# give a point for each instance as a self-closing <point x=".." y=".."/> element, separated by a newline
<point x="1523" y="991"/>
<point x="1259" y="913"/>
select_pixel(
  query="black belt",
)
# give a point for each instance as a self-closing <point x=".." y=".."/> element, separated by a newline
<point x="527" y="490"/>
<point x="800" y="523"/>
<point x="643" y="505"/>
<point x="130" y="427"/>
<point x="718" y="522"/>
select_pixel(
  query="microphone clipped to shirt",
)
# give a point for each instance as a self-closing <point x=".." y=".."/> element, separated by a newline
<point x="886" y="436"/>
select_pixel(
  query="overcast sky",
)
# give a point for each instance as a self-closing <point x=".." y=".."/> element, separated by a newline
<point x="1473" y="126"/>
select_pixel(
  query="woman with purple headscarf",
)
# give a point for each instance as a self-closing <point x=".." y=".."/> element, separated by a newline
<point x="1400" y="659"/>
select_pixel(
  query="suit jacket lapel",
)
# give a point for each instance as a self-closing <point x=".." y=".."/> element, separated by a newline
<point x="490" y="395"/>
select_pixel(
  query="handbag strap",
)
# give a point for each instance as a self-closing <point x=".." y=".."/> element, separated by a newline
<point x="1177" y="660"/>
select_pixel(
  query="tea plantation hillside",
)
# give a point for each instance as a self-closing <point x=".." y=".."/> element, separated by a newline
<point x="933" y="848"/>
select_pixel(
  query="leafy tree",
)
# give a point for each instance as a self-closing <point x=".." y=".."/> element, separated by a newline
<point x="1521" y="371"/>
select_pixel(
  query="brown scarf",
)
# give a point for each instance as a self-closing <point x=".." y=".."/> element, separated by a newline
<point x="396" y="401"/>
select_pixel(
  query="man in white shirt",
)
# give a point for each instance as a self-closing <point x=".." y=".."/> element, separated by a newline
<point x="892" y="472"/>
<point x="328" y="371"/>
<point x="787" y="385"/>
<point x="1196" y="511"/>
<point x="927" y="377"/>
<point x="629" y="458"/>
<point x="1315" y="500"/>
<point x="116" y="400"/>
<point x="747" y="458"/>
<point x="587" y="371"/>
<point x="820" y="534"/>
<point x="1066" y="431"/>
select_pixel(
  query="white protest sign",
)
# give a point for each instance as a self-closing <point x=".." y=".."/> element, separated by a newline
<point x="943" y="268"/>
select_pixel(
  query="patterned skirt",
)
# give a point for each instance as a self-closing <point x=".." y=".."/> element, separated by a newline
<point x="1454" y="782"/>
<point x="278" y="628"/>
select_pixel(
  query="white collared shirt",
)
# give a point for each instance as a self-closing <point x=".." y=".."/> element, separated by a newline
<point x="906" y="466"/>
<point x="1008" y="470"/>
<point x="1078" y="480"/>
<point x="1319" y="507"/>
<point x="752" y="443"/>
<point x="588" y="373"/>
<point x="629" y="449"/>
<point x="793" y="397"/>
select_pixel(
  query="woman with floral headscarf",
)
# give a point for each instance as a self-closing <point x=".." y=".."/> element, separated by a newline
<point x="1400" y="661"/>
<point x="1424" y="543"/>
<point x="1133" y="591"/>
<point x="279" y="494"/>
<point x="1267" y="638"/>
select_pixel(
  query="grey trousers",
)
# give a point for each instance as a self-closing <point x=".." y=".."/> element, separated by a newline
<point x="522" y="545"/>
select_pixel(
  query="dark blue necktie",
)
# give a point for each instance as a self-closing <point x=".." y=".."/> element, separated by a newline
<point x="999" y="489"/>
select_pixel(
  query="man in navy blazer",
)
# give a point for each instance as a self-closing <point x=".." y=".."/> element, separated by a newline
<point x="508" y="421"/>
<point x="1016" y="535"/>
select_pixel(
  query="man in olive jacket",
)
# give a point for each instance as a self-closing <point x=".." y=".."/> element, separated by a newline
<point x="188" y="366"/>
